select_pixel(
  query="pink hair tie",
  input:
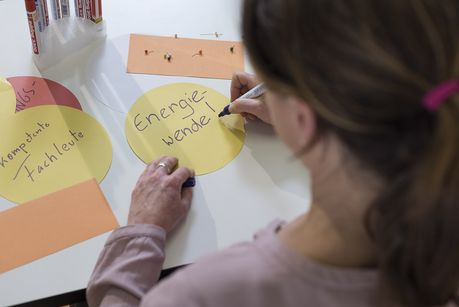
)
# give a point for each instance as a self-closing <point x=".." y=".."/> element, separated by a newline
<point x="437" y="95"/>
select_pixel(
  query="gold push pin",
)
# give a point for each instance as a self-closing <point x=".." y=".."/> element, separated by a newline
<point x="199" y="53"/>
<point x="168" y="57"/>
<point x="215" y="33"/>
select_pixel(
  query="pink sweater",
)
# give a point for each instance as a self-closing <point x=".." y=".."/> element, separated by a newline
<point x="259" y="273"/>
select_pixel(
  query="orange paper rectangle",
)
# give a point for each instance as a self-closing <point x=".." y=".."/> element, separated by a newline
<point x="51" y="223"/>
<point x="189" y="57"/>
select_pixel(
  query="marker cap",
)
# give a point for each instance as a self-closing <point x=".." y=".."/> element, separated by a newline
<point x="30" y="5"/>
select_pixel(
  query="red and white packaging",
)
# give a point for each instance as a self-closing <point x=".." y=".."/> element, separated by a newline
<point x="45" y="11"/>
<point x="79" y="8"/>
<point x="88" y="9"/>
<point x="96" y="10"/>
<point x="57" y="10"/>
<point x="32" y="19"/>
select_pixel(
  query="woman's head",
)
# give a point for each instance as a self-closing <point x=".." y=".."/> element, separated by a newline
<point x="363" y="67"/>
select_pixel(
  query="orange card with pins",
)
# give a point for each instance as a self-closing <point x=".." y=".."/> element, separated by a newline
<point x="176" y="56"/>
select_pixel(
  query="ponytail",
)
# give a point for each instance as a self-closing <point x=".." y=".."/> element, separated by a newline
<point x="415" y="223"/>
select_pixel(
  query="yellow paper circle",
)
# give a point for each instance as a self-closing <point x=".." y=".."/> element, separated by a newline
<point x="182" y="120"/>
<point x="7" y="98"/>
<point x="47" y="148"/>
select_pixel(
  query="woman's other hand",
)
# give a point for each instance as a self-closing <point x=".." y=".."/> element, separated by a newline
<point x="158" y="197"/>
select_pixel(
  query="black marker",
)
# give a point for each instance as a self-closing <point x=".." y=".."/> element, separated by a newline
<point x="257" y="91"/>
<point x="190" y="182"/>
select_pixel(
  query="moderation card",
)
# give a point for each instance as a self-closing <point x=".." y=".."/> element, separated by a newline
<point x="172" y="56"/>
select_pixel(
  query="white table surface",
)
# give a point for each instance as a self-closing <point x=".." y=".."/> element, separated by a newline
<point x="260" y="184"/>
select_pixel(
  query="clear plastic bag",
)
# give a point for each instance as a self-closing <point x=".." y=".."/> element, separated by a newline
<point x="65" y="36"/>
<point x="56" y="35"/>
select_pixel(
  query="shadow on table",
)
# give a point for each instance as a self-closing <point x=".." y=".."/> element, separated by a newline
<point x="287" y="172"/>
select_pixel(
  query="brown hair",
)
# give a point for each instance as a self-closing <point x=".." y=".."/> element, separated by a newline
<point x="364" y="67"/>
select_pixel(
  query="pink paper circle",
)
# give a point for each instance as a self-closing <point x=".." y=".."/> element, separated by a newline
<point x="34" y="91"/>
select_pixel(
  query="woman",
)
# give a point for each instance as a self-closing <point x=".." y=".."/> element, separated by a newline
<point x="366" y="95"/>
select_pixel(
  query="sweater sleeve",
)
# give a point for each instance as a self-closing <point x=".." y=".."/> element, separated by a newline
<point x="128" y="266"/>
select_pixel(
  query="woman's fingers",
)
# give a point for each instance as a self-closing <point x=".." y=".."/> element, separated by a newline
<point x="250" y="106"/>
<point x="241" y="83"/>
<point x="187" y="196"/>
<point x="178" y="178"/>
<point x="251" y="109"/>
<point x="159" y="197"/>
<point x="166" y="165"/>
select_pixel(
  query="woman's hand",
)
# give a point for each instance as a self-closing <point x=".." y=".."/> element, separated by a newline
<point x="251" y="109"/>
<point x="158" y="197"/>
